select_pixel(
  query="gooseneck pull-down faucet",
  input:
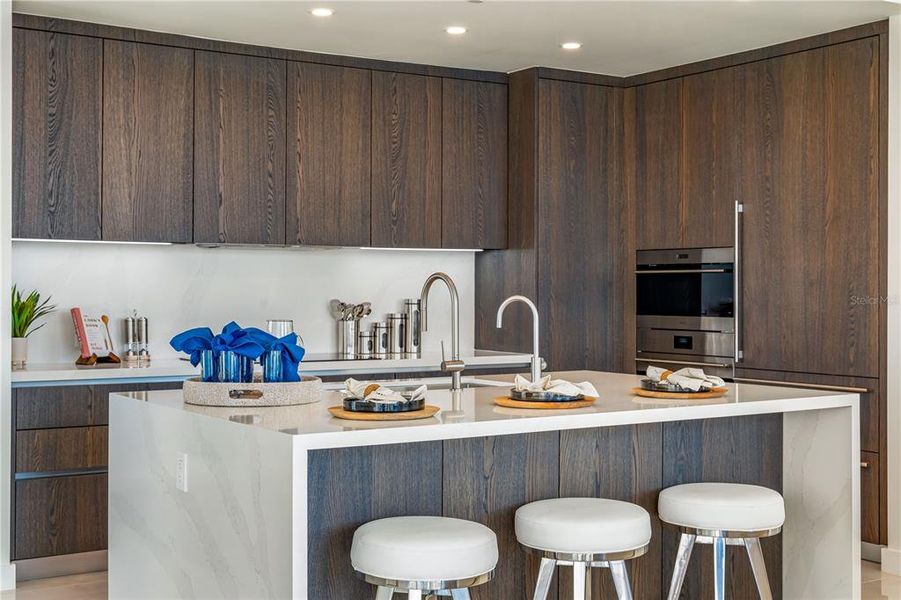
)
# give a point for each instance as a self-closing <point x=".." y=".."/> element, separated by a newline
<point x="536" y="360"/>
<point x="455" y="365"/>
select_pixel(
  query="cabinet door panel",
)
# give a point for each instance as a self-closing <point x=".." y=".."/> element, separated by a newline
<point x="869" y="497"/>
<point x="575" y="206"/>
<point x="239" y="149"/>
<point x="60" y="515"/>
<point x="56" y="135"/>
<point x="711" y="173"/>
<point x="474" y="165"/>
<point x="653" y="162"/>
<point x="810" y="230"/>
<point x="59" y="406"/>
<point x="406" y="160"/>
<point x="148" y="102"/>
<point x="329" y="122"/>
<point x="61" y="449"/>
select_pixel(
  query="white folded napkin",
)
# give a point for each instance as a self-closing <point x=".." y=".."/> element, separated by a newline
<point x="379" y="393"/>
<point x="555" y="386"/>
<point x="688" y="378"/>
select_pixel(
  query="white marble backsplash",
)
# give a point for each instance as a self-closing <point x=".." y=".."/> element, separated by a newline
<point x="182" y="286"/>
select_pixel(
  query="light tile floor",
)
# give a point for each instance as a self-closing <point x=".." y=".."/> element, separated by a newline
<point x="92" y="586"/>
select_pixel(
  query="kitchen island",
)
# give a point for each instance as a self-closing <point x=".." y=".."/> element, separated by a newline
<point x="272" y="495"/>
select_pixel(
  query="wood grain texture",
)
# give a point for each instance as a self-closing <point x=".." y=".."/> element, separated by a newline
<point x="711" y="169"/>
<point x="406" y="161"/>
<point x="351" y="486"/>
<point x="869" y="497"/>
<point x="474" y="165"/>
<point x="626" y="218"/>
<point x="239" y="149"/>
<point x="57" y="82"/>
<point x="500" y="274"/>
<point x="329" y="136"/>
<point x="60" y="515"/>
<point x="733" y="450"/>
<point x="486" y="480"/>
<point x="656" y="154"/>
<point x="59" y="406"/>
<point x="148" y="146"/>
<point x="619" y="463"/>
<point x="61" y="449"/>
<point x="112" y="32"/>
<point x="811" y="223"/>
<point x="577" y="292"/>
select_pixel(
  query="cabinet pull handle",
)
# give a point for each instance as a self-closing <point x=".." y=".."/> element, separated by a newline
<point x="736" y="281"/>
<point x="813" y="386"/>
<point x="864" y="464"/>
<point x="681" y="362"/>
<point x="676" y="271"/>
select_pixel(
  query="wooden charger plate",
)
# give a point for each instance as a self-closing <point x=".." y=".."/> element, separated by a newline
<point x="511" y="403"/>
<point x="427" y="411"/>
<point x="716" y="392"/>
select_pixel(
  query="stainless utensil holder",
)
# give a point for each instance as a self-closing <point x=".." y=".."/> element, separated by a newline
<point x="347" y="338"/>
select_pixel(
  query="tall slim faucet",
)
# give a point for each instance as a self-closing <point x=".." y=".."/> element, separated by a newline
<point x="536" y="360"/>
<point x="455" y="365"/>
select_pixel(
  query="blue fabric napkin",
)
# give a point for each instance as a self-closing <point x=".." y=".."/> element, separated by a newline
<point x="193" y="342"/>
<point x="290" y="352"/>
<point x="235" y="339"/>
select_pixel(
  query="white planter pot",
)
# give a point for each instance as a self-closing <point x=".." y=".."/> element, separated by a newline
<point x="19" y="352"/>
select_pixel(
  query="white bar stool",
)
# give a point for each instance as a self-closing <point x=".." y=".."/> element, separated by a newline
<point x="722" y="514"/>
<point x="583" y="533"/>
<point x="414" y="555"/>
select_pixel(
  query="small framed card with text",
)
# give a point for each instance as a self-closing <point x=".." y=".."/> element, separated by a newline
<point x="93" y="338"/>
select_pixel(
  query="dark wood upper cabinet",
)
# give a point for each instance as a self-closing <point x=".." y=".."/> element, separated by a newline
<point x="810" y="233"/>
<point x="406" y="160"/>
<point x="239" y="149"/>
<point x="576" y="192"/>
<point x="653" y="162"/>
<point x="57" y="81"/>
<point x="711" y="168"/>
<point x="474" y="165"/>
<point x="148" y="102"/>
<point x="329" y="121"/>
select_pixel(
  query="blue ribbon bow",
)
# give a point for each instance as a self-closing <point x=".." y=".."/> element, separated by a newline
<point x="193" y="342"/>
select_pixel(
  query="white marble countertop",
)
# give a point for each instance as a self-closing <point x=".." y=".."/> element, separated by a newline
<point x="472" y="413"/>
<point x="174" y="369"/>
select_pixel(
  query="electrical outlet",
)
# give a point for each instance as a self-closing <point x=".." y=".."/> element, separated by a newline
<point x="181" y="472"/>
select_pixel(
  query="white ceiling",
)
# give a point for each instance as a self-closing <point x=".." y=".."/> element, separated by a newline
<point x="620" y="37"/>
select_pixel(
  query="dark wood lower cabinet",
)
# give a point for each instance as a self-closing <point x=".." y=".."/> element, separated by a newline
<point x="60" y="455"/>
<point x="486" y="479"/>
<point x="59" y="515"/>
<point x="869" y="497"/>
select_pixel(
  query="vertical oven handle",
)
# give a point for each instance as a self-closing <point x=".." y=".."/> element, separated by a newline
<point x="736" y="281"/>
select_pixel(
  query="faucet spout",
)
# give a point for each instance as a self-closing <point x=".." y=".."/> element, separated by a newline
<point x="536" y="359"/>
<point x="455" y="365"/>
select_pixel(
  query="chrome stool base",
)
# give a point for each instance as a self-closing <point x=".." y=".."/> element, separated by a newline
<point x="581" y="564"/>
<point x="458" y="589"/>
<point x="720" y="539"/>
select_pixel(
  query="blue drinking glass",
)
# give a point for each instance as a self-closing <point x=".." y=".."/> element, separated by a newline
<point x="273" y="371"/>
<point x="234" y="368"/>
<point x="209" y="366"/>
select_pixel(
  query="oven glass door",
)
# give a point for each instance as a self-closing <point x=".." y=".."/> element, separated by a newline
<point x="701" y="292"/>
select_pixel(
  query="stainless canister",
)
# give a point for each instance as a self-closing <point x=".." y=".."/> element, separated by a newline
<point x="365" y="345"/>
<point x="397" y="325"/>
<point x="380" y="339"/>
<point x="412" y="331"/>
<point x="347" y="338"/>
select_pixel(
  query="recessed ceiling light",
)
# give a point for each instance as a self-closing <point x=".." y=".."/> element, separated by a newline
<point x="456" y="30"/>
<point x="571" y="45"/>
<point x="322" y="12"/>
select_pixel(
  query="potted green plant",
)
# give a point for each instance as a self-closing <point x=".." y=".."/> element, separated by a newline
<point x="25" y="313"/>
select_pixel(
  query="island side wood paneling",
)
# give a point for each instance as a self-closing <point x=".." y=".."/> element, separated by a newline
<point x="485" y="480"/>
<point x="329" y="137"/>
<point x="620" y="463"/>
<point x="351" y="486"/>
<point x="732" y="450"/>
<point x="148" y="145"/>
<point x="57" y="105"/>
<point x="239" y="149"/>
<point x="406" y="160"/>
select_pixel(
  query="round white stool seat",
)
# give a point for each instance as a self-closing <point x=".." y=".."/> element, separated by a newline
<point x="722" y="506"/>
<point x="423" y="549"/>
<point x="583" y="526"/>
